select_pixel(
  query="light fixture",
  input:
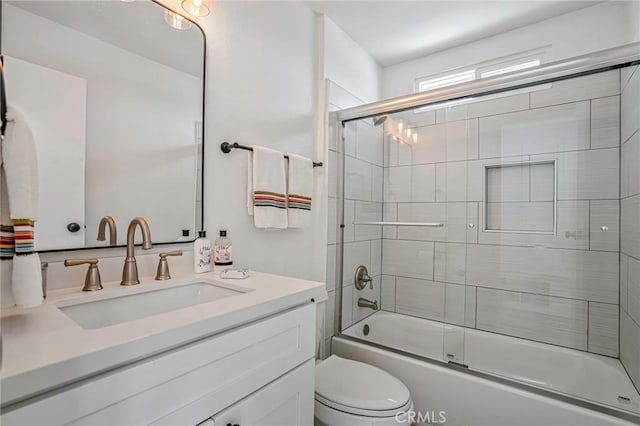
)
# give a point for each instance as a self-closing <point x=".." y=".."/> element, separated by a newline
<point x="196" y="7"/>
<point x="401" y="131"/>
<point x="176" y="21"/>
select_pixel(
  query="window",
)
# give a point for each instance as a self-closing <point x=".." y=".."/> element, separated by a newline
<point x="489" y="69"/>
<point x="447" y="80"/>
<point x="504" y="69"/>
<point x="517" y="62"/>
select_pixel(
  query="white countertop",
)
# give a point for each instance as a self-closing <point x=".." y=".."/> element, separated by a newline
<point x="44" y="349"/>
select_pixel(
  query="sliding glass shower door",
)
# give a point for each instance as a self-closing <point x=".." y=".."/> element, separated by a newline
<point x="501" y="233"/>
<point x="406" y="220"/>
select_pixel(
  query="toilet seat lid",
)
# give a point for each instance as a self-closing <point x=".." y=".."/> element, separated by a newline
<point x="358" y="385"/>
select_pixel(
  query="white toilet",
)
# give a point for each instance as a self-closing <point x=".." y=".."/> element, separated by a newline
<point x="352" y="393"/>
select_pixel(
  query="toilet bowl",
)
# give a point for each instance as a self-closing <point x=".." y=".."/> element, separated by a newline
<point x="352" y="393"/>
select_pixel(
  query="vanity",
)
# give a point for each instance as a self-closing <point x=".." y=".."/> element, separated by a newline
<point x="225" y="352"/>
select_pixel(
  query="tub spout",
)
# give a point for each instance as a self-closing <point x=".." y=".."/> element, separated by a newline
<point x="366" y="303"/>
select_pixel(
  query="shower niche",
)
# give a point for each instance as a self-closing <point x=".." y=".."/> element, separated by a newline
<point x="520" y="197"/>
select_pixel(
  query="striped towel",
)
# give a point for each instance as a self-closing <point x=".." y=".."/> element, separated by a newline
<point x="266" y="188"/>
<point x="20" y="200"/>
<point x="300" y="190"/>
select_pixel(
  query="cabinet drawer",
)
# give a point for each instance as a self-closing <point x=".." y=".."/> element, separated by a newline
<point x="224" y="368"/>
<point x="287" y="401"/>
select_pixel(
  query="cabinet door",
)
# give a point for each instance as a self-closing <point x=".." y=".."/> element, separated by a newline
<point x="286" y="401"/>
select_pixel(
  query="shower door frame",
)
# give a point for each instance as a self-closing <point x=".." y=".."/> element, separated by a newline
<point x="592" y="63"/>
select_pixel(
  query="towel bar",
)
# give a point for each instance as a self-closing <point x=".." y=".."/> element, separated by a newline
<point x="226" y="147"/>
<point x="427" y="224"/>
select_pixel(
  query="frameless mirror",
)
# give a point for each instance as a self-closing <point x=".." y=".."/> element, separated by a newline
<point x="113" y="94"/>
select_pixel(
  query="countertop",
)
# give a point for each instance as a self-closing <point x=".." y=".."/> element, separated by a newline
<point x="44" y="349"/>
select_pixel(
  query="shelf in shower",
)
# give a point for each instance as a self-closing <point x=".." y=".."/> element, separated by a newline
<point x="426" y="224"/>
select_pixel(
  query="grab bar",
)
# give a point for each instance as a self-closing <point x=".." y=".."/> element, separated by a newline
<point x="427" y="224"/>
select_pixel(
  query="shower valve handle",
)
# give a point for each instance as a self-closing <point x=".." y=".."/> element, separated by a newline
<point x="362" y="278"/>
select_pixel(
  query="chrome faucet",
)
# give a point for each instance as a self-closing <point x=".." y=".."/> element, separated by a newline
<point x="130" y="270"/>
<point x="366" y="303"/>
<point x="113" y="233"/>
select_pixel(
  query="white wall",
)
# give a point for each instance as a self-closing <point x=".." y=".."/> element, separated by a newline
<point x="587" y="30"/>
<point x="348" y="65"/>
<point x="266" y="67"/>
<point x="261" y="76"/>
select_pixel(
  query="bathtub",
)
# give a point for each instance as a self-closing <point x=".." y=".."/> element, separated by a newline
<point x="533" y="370"/>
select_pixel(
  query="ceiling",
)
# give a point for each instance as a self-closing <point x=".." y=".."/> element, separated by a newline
<point x="395" y="31"/>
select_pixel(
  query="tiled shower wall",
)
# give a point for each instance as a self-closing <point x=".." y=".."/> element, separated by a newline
<point x="560" y="288"/>
<point x="630" y="218"/>
<point x="363" y="198"/>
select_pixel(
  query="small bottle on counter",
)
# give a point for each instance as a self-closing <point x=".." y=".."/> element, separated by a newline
<point x="222" y="250"/>
<point x="202" y="253"/>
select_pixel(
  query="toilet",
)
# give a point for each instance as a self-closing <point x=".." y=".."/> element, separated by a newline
<point x="352" y="393"/>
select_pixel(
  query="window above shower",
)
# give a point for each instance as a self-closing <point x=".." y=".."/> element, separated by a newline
<point x="499" y="66"/>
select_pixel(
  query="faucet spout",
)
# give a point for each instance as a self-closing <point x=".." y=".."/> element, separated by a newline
<point x="113" y="233"/>
<point x="366" y="303"/>
<point x="130" y="270"/>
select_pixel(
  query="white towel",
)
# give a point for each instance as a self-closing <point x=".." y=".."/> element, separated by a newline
<point x="299" y="191"/>
<point x="266" y="188"/>
<point x="19" y="163"/>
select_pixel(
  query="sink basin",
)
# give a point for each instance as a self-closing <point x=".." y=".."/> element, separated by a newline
<point x="117" y="310"/>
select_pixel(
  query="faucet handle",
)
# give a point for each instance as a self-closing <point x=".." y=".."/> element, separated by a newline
<point x="362" y="278"/>
<point x="162" y="273"/>
<point x="92" y="281"/>
<point x="171" y="253"/>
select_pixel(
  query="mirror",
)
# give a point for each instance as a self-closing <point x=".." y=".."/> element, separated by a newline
<point x="113" y="94"/>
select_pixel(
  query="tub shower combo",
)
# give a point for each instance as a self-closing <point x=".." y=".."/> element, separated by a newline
<point x="492" y="228"/>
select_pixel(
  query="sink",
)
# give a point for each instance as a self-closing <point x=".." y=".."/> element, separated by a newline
<point x="117" y="310"/>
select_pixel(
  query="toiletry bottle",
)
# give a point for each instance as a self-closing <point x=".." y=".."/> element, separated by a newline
<point x="202" y="253"/>
<point x="222" y="250"/>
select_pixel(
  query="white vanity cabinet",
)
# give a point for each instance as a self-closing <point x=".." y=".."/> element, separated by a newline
<point x="261" y="373"/>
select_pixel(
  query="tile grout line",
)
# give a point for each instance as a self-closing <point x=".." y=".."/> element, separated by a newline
<point x="588" y="322"/>
<point x="505" y="158"/>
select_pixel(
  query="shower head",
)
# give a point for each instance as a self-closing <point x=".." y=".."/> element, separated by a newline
<point x="379" y="120"/>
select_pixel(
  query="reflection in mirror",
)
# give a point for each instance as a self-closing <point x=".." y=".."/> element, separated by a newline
<point x="112" y="92"/>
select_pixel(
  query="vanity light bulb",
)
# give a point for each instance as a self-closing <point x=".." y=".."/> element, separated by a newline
<point x="415" y="137"/>
<point x="176" y="21"/>
<point x="196" y="7"/>
<point x="400" y="126"/>
<point x="408" y="133"/>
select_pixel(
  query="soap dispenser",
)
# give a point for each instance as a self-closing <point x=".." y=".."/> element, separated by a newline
<point x="202" y="253"/>
<point x="222" y="250"/>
